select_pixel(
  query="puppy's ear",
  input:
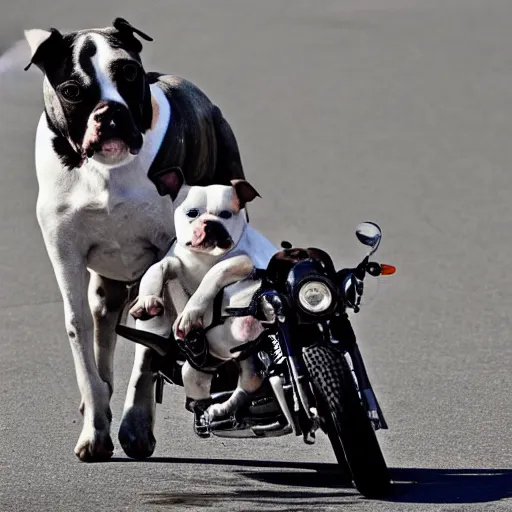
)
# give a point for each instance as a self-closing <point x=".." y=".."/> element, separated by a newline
<point x="43" y="43"/>
<point x="169" y="182"/>
<point x="244" y="191"/>
<point x="126" y="31"/>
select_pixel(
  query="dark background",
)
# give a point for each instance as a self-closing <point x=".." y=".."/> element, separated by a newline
<point x="391" y="110"/>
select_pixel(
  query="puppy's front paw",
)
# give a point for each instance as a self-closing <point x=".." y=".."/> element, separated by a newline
<point x="190" y="319"/>
<point x="150" y="305"/>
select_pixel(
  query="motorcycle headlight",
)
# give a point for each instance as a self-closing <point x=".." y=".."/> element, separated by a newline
<point x="315" y="297"/>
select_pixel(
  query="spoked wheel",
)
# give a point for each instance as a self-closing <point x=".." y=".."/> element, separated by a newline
<point x="348" y="426"/>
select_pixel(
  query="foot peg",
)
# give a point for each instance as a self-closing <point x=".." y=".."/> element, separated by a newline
<point x="201" y="426"/>
<point x="204" y="424"/>
<point x="159" y="344"/>
<point x="200" y="423"/>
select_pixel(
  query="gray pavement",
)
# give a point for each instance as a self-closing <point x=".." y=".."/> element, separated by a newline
<point x="399" y="111"/>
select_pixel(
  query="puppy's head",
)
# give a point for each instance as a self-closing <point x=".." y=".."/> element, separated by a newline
<point x="211" y="219"/>
<point x="96" y="92"/>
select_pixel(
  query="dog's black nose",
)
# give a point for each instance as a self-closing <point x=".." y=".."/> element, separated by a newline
<point x="107" y="112"/>
<point x="99" y="116"/>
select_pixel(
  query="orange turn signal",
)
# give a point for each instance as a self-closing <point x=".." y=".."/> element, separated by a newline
<point x="387" y="270"/>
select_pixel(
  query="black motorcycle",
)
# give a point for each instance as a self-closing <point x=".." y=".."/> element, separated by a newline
<point x="314" y="373"/>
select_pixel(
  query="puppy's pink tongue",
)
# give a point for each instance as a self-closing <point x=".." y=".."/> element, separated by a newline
<point x="112" y="147"/>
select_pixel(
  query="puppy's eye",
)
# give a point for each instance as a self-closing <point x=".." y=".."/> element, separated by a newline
<point x="225" y="214"/>
<point x="71" y="91"/>
<point x="130" y="72"/>
<point x="192" y="213"/>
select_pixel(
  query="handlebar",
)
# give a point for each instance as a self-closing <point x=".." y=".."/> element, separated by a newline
<point x="352" y="280"/>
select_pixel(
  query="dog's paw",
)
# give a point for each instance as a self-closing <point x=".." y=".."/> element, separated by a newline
<point x="229" y="407"/>
<point x="94" y="445"/>
<point x="189" y="320"/>
<point x="150" y="305"/>
<point x="136" y="434"/>
<point x="216" y="411"/>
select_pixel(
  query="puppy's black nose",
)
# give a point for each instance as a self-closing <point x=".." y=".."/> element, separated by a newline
<point x="215" y="231"/>
<point x="212" y="227"/>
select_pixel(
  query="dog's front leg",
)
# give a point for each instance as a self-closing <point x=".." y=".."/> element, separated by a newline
<point x="150" y="300"/>
<point x="220" y="275"/>
<point x="106" y="299"/>
<point x="69" y="264"/>
<point x="236" y="331"/>
<point x="136" y="430"/>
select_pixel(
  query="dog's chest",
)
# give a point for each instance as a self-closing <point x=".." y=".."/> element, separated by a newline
<point x="126" y="221"/>
<point x="194" y="267"/>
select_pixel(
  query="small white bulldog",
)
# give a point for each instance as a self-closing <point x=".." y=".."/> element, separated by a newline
<point x="214" y="247"/>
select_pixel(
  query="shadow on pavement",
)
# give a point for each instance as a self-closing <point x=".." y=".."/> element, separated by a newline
<point x="411" y="485"/>
<point x="425" y="485"/>
<point x="259" y="498"/>
<point x="314" y="466"/>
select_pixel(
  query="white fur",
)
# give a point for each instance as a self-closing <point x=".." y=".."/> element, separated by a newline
<point x="76" y="60"/>
<point x="104" y="55"/>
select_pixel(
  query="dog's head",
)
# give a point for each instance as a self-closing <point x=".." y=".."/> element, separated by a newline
<point x="96" y="92"/>
<point x="211" y="219"/>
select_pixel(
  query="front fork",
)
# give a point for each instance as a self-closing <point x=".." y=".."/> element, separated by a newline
<point x="342" y="334"/>
<point x="298" y="408"/>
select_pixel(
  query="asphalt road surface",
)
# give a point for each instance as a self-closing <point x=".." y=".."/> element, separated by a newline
<point x="398" y="111"/>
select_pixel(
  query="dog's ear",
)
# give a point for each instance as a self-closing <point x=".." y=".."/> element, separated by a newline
<point x="244" y="191"/>
<point x="43" y="43"/>
<point x="127" y="30"/>
<point x="169" y="182"/>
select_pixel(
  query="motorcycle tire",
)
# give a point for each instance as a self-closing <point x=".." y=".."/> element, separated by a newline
<point x="346" y="420"/>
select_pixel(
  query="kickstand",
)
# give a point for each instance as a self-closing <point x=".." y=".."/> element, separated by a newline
<point x="159" y="389"/>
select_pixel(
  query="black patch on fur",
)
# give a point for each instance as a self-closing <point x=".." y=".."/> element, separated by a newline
<point x="198" y="140"/>
<point x="87" y="52"/>
<point x="77" y="114"/>
<point x="67" y="155"/>
<point x="136" y="93"/>
<point x="229" y="165"/>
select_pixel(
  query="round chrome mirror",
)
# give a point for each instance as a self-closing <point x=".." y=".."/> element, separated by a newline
<point x="369" y="234"/>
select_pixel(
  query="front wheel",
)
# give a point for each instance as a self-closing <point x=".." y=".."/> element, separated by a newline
<point x="346" y="421"/>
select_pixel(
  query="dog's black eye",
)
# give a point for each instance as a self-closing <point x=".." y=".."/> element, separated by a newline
<point x="193" y="213"/>
<point x="71" y="91"/>
<point x="130" y="72"/>
<point x="225" y="214"/>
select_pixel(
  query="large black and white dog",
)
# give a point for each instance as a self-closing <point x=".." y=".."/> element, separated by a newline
<point x="107" y="127"/>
